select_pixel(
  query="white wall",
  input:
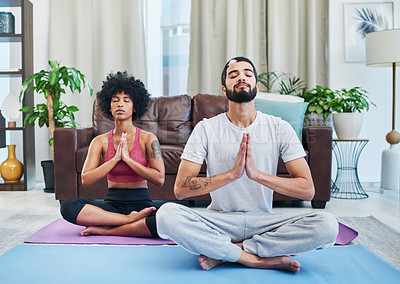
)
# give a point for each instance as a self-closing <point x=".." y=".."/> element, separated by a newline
<point x="40" y="50"/>
<point x="378" y="83"/>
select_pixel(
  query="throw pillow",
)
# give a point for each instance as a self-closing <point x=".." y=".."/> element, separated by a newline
<point x="290" y="112"/>
<point x="279" y="97"/>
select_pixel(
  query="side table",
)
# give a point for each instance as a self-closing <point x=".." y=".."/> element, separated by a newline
<point x="347" y="184"/>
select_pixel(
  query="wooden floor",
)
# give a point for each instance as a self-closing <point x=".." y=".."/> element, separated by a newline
<point x="384" y="206"/>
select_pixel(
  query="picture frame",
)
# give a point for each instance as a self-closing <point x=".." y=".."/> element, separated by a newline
<point x="361" y="18"/>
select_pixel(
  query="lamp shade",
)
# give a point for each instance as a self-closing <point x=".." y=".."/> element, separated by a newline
<point x="383" y="48"/>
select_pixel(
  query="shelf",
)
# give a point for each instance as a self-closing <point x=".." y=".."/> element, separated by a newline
<point x="10" y="3"/>
<point x="10" y="38"/>
<point x="11" y="128"/>
<point x="10" y="72"/>
<point x="19" y="186"/>
<point x="21" y="45"/>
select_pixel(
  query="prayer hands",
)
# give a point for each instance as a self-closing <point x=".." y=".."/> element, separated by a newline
<point x="122" y="150"/>
<point x="124" y="147"/>
<point x="244" y="160"/>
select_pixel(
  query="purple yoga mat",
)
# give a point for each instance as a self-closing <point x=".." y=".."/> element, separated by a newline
<point x="345" y="235"/>
<point x="63" y="232"/>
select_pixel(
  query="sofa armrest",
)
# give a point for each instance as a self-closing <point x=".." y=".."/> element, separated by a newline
<point x="318" y="141"/>
<point x="66" y="142"/>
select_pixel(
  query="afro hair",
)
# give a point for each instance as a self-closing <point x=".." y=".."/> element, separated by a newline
<point x="122" y="82"/>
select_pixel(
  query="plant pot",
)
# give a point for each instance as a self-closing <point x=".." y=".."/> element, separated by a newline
<point x="347" y="125"/>
<point x="48" y="173"/>
<point x="313" y="119"/>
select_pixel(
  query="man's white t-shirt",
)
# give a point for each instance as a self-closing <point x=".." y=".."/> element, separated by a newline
<point x="217" y="141"/>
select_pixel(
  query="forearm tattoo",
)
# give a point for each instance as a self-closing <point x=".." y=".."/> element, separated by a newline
<point x="196" y="183"/>
<point x="155" y="150"/>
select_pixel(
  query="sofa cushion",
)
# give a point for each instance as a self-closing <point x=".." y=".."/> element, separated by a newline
<point x="290" y="112"/>
<point x="80" y="157"/>
<point x="169" y="118"/>
<point x="206" y="106"/>
<point x="171" y="155"/>
<point x="101" y="123"/>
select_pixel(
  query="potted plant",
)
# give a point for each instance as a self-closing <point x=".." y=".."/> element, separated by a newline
<point x="281" y="83"/>
<point x="54" y="113"/>
<point x="319" y="110"/>
<point x="347" y="106"/>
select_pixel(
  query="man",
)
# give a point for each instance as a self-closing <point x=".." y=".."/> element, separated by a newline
<point x="241" y="148"/>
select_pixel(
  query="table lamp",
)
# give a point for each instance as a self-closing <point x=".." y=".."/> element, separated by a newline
<point x="383" y="50"/>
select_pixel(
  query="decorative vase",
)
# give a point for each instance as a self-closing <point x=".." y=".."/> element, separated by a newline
<point x="347" y="125"/>
<point x="7" y="23"/>
<point x="11" y="169"/>
<point x="313" y="119"/>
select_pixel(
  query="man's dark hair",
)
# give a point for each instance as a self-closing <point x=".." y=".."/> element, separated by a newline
<point x="236" y="59"/>
<point x="122" y="82"/>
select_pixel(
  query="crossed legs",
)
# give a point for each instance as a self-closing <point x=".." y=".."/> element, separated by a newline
<point x="103" y="219"/>
<point x="254" y="240"/>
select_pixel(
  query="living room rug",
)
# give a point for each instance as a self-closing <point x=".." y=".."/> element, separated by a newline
<point x="63" y="232"/>
<point x="172" y="264"/>
<point x="376" y="236"/>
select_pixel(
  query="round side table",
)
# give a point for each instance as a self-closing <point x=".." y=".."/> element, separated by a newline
<point x="347" y="184"/>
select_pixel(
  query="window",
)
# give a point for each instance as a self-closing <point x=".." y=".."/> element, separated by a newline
<point x="168" y="36"/>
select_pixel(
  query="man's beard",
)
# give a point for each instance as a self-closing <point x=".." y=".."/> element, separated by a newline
<point x="241" y="96"/>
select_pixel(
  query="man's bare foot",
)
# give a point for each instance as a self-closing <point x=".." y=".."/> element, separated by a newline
<point x="207" y="263"/>
<point x="278" y="262"/>
<point x="95" y="230"/>
<point x="135" y="216"/>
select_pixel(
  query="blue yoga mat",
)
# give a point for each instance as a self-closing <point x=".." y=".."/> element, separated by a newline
<point x="167" y="264"/>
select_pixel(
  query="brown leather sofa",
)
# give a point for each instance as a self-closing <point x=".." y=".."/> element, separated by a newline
<point x="172" y="119"/>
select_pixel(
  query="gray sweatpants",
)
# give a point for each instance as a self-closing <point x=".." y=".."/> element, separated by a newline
<point x="211" y="233"/>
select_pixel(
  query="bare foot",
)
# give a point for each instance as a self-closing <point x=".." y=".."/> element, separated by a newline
<point x="278" y="262"/>
<point x="207" y="263"/>
<point x="95" y="230"/>
<point x="135" y="216"/>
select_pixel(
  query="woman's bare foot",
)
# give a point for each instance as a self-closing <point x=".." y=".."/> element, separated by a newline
<point x="135" y="216"/>
<point x="207" y="263"/>
<point x="95" y="230"/>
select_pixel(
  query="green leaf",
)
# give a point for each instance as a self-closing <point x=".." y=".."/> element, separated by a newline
<point x="43" y="120"/>
<point x="54" y="64"/>
<point x="72" y="108"/>
<point x="53" y="77"/>
<point x="27" y="108"/>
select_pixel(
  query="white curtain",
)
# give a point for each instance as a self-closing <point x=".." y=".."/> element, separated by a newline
<point x="220" y="30"/>
<point x="297" y="35"/>
<point x="97" y="37"/>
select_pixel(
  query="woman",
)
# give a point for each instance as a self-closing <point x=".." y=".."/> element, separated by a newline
<point x="131" y="157"/>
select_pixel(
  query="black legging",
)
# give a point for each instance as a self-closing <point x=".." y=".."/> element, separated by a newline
<point x="118" y="200"/>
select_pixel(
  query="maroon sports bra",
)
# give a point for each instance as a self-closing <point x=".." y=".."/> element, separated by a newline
<point x="122" y="172"/>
